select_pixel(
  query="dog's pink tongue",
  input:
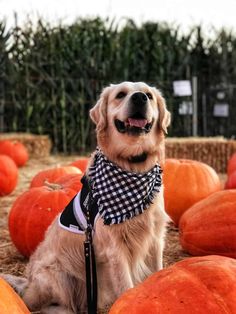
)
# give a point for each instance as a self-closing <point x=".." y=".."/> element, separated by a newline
<point x="139" y="123"/>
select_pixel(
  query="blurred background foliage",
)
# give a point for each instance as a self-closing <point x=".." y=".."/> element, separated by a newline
<point x="50" y="76"/>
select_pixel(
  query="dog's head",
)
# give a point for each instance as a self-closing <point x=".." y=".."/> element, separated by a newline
<point x="131" y="119"/>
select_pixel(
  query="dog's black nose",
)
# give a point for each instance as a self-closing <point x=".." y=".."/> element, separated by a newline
<point x="139" y="99"/>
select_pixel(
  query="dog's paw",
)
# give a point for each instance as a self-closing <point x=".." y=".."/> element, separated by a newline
<point x="56" y="310"/>
<point x="19" y="284"/>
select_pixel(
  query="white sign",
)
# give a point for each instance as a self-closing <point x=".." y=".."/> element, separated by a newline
<point x="182" y="88"/>
<point x="220" y="95"/>
<point x="221" y="110"/>
<point x="186" y="107"/>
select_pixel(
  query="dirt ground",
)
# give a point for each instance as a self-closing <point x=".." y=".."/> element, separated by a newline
<point x="13" y="262"/>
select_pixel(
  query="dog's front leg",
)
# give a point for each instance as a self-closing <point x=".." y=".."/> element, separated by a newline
<point x="154" y="259"/>
<point x="19" y="284"/>
<point x="159" y="247"/>
<point x="113" y="279"/>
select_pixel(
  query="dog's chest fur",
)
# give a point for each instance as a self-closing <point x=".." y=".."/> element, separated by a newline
<point x="131" y="241"/>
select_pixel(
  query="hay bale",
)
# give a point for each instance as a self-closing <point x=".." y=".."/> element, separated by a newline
<point x="214" y="151"/>
<point x="37" y="145"/>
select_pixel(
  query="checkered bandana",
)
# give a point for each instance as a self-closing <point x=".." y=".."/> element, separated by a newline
<point x="120" y="194"/>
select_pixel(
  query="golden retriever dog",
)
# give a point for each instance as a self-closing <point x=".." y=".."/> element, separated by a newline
<point x="131" y="121"/>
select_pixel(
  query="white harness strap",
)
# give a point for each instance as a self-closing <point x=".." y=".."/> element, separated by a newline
<point x="72" y="218"/>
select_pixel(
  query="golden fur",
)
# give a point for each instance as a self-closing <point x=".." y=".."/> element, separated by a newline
<point x="125" y="253"/>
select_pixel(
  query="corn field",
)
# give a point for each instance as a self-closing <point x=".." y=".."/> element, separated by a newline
<point x="50" y="76"/>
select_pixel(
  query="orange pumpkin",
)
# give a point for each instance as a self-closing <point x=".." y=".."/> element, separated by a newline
<point x="10" y="302"/>
<point x="196" y="285"/>
<point x="81" y="163"/>
<point x="231" y="165"/>
<point x="34" y="210"/>
<point x="231" y="181"/>
<point x="209" y="227"/>
<point x="185" y="183"/>
<point x="16" y="150"/>
<point x="8" y="175"/>
<point x="50" y="175"/>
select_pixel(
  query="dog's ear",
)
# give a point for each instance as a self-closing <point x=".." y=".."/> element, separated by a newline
<point x="164" y="114"/>
<point x="98" y="113"/>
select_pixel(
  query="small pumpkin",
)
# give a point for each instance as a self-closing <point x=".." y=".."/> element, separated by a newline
<point x="196" y="285"/>
<point x="231" y="165"/>
<point x="10" y="302"/>
<point x="185" y="183"/>
<point x="50" y="175"/>
<point x="209" y="227"/>
<point x="231" y="181"/>
<point x="16" y="150"/>
<point x="34" y="210"/>
<point x="8" y="175"/>
<point x="81" y="163"/>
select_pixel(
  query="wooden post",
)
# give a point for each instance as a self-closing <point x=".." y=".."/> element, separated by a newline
<point x="204" y="114"/>
<point x="195" y="106"/>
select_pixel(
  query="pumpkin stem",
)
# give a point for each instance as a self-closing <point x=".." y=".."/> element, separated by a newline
<point x="52" y="186"/>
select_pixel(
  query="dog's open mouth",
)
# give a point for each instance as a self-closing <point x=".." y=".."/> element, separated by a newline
<point x="133" y="125"/>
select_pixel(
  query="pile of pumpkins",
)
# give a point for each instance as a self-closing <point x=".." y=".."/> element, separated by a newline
<point x="206" y="217"/>
<point x="33" y="211"/>
<point x="13" y="154"/>
<point x="195" y="200"/>
<point x="203" y="211"/>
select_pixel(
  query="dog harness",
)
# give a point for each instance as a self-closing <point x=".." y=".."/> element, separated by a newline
<point x="112" y="193"/>
<point x="73" y="218"/>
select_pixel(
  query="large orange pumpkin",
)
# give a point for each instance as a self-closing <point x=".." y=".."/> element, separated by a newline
<point x="197" y="285"/>
<point x="209" y="227"/>
<point x="8" y="175"/>
<point x="10" y="302"/>
<point x="34" y="211"/>
<point x="50" y="175"/>
<point x="185" y="183"/>
<point x="81" y="163"/>
<point x="231" y="165"/>
<point x="16" y="150"/>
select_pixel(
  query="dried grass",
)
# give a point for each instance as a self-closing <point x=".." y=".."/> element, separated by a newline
<point x="214" y="151"/>
<point x="37" y="145"/>
<point x="10" y="260"/>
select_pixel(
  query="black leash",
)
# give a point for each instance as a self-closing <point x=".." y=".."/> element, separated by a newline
<point x="90" y="265"/>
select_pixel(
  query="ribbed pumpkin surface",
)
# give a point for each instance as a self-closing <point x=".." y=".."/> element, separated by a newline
<point x="34" y="211"/>
<point x="209" y="227"/>
<point x="231" y="165"/>
<point x="185" y="183"/>
<point x="16" y="150"/>
<point x="231" y="181"/>
<point x="81" y="163"/>
<point x="198" y="285"/>
<point x="51" y="175"/>
<point x="8" y="175"/>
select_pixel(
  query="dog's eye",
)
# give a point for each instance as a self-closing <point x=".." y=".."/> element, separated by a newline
<point x="120" y="95"/>
<point x="149" y="95"/>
